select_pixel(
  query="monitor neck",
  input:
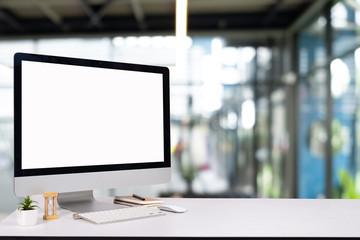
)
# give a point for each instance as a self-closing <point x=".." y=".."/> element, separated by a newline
<point x="83" y="201"/>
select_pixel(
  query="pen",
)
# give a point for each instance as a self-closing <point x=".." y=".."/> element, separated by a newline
<point x="138" y="197"/>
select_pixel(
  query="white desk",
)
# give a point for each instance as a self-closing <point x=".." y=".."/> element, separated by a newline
<point x="215" y="218"/>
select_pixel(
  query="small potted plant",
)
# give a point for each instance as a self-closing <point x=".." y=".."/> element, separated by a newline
<point x="27" y="213"/>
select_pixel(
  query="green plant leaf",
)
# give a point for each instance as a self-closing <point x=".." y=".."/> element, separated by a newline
<point x="28" y="204"/>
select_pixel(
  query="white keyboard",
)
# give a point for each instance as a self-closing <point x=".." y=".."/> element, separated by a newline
<point x="119" y="215"/>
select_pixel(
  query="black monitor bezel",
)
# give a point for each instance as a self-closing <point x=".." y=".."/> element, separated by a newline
<point x="19" y="57"/>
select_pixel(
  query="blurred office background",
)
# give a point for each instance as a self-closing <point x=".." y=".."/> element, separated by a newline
<point x="264" y="93"/>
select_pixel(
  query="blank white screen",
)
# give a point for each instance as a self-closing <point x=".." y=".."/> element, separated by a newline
<point x="83" y="116"/>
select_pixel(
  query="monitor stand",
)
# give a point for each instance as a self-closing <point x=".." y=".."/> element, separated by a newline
<point x="83" y="201"/>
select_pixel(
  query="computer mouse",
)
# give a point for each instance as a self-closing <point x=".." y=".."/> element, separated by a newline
<point x="172" y="208"/>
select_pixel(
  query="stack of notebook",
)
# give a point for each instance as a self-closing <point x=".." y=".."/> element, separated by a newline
<point x="132" y="201"/>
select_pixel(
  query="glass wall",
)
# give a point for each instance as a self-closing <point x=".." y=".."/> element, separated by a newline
<point x="344" y="68"/>
<point x="312" y="110"/>
<point x="335" y="66"/>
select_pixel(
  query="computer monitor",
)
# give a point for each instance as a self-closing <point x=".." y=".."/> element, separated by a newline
<point x="82" y="125"/>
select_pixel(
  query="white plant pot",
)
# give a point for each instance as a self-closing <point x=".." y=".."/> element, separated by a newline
<point x="27" y="217"/>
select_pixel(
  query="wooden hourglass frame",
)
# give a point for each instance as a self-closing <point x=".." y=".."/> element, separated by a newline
<point x="52" y="195"/>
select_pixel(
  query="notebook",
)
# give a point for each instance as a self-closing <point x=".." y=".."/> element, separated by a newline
<point x="132" y="201"/>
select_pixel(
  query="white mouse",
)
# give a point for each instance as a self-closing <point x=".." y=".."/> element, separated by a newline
<point x="172" y="208"/>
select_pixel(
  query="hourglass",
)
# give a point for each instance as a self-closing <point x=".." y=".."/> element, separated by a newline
<point x="50" y="205"/>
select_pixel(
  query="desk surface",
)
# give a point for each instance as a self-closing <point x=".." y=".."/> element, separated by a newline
<point x="215" y="218"/>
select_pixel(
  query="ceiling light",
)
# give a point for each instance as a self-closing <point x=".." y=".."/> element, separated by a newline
<point x="181" y="18"/>
<point x="180" y="32"/>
